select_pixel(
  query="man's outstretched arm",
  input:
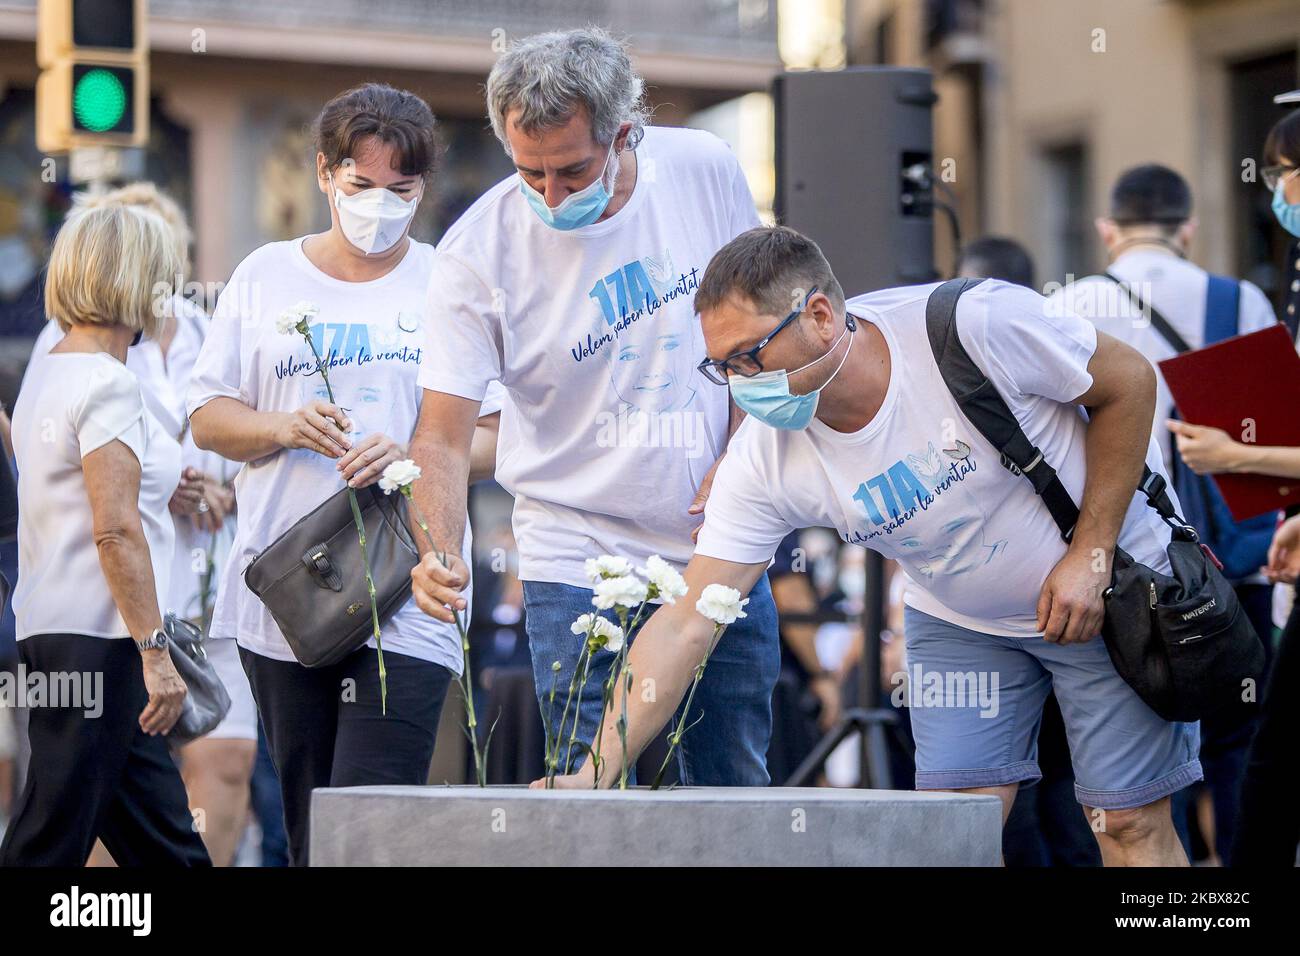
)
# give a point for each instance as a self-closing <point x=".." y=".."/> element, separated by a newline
<point x="441" y="446"/>
<point x="662" y="660"/>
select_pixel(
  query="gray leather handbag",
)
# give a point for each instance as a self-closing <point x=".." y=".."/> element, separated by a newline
<point x="313" y="582"/>
<point x="206" y="701"/>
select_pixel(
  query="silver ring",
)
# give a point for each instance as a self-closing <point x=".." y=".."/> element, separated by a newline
<point x="204" y="507"/>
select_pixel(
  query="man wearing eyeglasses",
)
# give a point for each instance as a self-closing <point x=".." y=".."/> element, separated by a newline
<point x="572" y="283"/>
<point x="850" y="425"/>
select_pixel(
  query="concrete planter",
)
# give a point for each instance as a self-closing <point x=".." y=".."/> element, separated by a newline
<point x="706" y="826"/>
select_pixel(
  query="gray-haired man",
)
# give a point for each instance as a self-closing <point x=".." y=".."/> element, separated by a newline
<point x="572" y="283"/>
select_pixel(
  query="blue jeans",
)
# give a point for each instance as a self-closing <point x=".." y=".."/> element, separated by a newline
<point x="728" y="747"/>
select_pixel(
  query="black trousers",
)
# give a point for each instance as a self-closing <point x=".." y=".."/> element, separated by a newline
<point x="1226" y="736"/>
<point x="94" y="773"/>
<point x="1268" y="827"/>
<point x="324" y="726"/>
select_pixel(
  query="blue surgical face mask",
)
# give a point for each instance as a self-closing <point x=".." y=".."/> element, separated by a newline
<point x="581" y="208"/>
<point x="1288" y="213"/>
<point x="767" y="396"/>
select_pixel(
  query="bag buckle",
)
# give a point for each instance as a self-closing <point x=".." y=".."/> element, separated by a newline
<point x="1154" y="486"/>
<point x="322" y="569"/>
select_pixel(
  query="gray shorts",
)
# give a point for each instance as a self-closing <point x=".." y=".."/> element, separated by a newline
<point x="976" y="701"/>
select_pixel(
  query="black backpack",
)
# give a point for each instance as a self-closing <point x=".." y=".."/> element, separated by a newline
<point x="1182" y="642"/>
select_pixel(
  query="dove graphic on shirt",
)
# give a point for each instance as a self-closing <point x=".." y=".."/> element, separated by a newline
<point x="928" y="466"/>
<point x="387" y="334"/>
<point x="661" y="272"/>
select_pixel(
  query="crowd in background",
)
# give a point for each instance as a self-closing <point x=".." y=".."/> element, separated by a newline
<point x="818" y="584"/>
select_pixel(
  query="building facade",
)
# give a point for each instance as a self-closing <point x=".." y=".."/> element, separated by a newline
<point x="1043" y="103"/>
<point x="237" y="83"/>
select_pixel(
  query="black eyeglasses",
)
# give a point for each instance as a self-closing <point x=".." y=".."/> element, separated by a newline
<point x="746" y="363"/>
<point x="1272" y="175"/>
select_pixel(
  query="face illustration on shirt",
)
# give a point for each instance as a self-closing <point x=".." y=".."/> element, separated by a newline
<point x="958" y="547"/>
<point x="651" y="367"/>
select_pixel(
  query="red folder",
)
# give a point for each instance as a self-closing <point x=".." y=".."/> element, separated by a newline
<point x="1253" y="377"/>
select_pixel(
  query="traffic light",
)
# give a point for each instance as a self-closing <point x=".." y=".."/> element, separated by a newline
<point x="94" y="84"/>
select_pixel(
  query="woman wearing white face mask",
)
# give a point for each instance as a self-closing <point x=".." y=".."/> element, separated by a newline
<point x="257" y="397"/>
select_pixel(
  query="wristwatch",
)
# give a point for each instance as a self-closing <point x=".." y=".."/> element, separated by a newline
<point x="157" y="640"/>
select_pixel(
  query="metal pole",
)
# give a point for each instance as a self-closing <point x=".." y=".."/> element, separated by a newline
<point x="873" y="622"/>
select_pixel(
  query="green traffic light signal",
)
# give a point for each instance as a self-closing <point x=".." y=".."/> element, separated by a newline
<point x="101" y="97"/>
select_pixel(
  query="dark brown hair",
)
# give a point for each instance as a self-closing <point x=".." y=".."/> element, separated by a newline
<point x="1283" y="141"/>
<point x="1150" y="194"/>
<point x="394" y="117"/>
<point x="772" y="266"/>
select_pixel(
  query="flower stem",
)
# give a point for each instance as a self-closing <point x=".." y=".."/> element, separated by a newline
<point x="582" y="687"/>
<point x="553" y="762"/>
<point x="466" y="675"/>
<point x="305" y="331"/>
<point x="675" y="737"/>
<point x="625" y="683"/>
<point x="607" y="695"/>
<point x="374" y="605"/>
<point x="547" y="723"/>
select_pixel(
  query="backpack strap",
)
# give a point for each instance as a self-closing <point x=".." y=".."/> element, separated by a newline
<point x="1158" y="321"/>
<point x="985" y="408"/>
<point x="1222" y="303"/>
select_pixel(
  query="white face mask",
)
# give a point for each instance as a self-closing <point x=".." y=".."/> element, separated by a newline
<point x="374" y="220"/>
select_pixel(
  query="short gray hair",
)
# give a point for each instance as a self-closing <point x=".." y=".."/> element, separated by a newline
<point x="550" y="76"/>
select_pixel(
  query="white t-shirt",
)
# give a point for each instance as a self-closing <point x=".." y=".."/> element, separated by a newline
<point x="162" y="396"/>
<point x="610" y="428"/>
<point x="919" y="484"/>
<point x="164" y="381"/>
<point x="194" y="548"/>
<point x="78" y="403"/>
<point x="372" y="336"/>
<point x="1176" y="288"/>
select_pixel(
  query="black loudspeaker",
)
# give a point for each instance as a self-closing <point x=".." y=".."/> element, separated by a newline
<point x="853" y="171"/>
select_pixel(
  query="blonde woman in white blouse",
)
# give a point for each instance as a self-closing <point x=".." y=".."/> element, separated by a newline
<point x="96" y="471"/>
<point x="218" y="767"/>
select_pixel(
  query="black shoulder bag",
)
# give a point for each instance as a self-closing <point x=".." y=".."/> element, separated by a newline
<point x="1182" y="642"/>
<point x="313" y="581"/>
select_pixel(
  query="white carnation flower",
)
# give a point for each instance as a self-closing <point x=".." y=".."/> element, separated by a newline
<point x="612" y="633"/>
<point x="290" y="318"/>
<point x="607" y="566"/>
<point x="721" y="604"/>
<point x="626" y="590"/>
<point x="398" y="475"/>
<point x="601" y="631"/>
<point x="665" y="583"/>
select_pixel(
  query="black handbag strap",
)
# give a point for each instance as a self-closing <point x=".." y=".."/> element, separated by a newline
<point x="986" y="409"/>
<point x="1158" y="321"/>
